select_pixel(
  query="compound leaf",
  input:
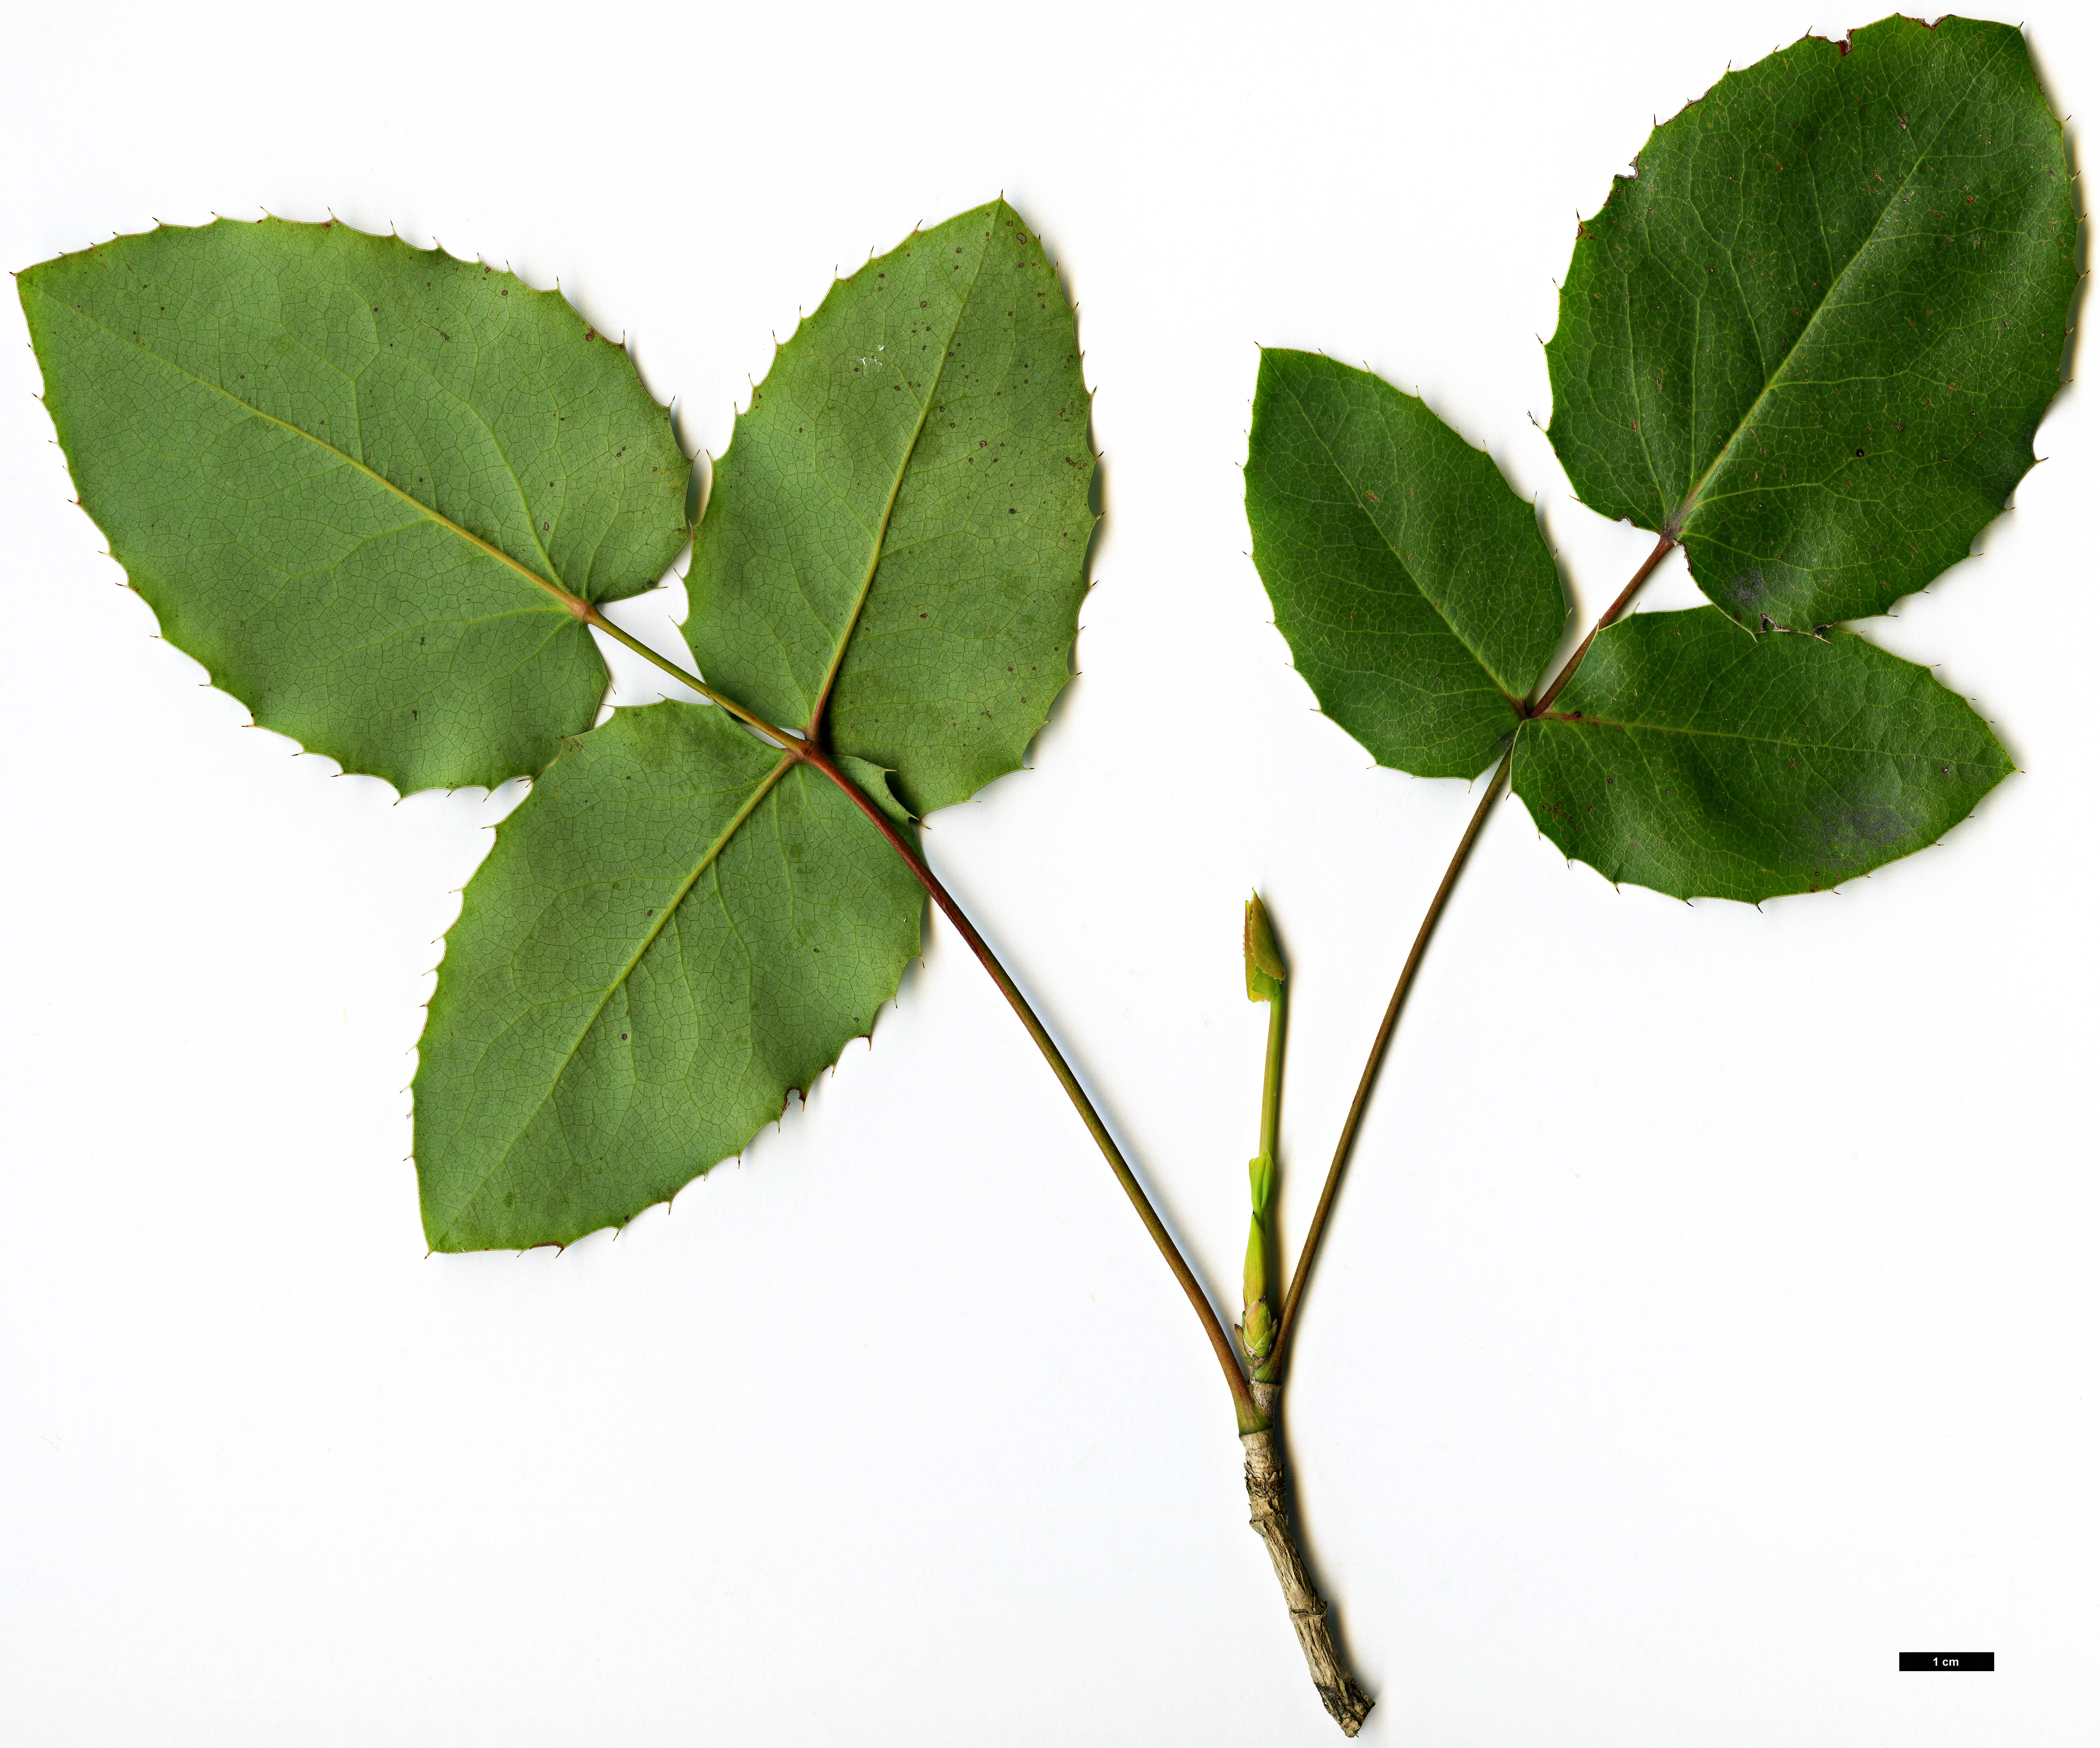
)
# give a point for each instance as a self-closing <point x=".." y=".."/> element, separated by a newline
<point x="1413" y="585"/>
<point x="364" y="485"/>
<point x="1812" y="335"/>
<point x="1690" y="758"/>
<point x="683" y="924"/>
<point x="895" y="539"/>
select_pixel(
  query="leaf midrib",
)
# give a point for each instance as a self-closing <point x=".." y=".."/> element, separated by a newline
<point x="1399" y="558"/>
<point x="708" y="856"/>
<point x="1675" y="525"/>
<point x="574" y="604"/>
<point x="896" y="485"/>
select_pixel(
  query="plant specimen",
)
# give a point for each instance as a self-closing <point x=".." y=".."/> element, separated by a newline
<point x="387" y="498"/>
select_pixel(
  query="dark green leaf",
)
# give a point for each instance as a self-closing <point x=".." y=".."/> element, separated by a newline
<point x="361" y="482"/>
<point x="1413" y="588"/>
<point x="898" y="531"/>
<point x="677" y="926"/>
<point x="1813" y="335"/>
<point x="1691" y="757"/>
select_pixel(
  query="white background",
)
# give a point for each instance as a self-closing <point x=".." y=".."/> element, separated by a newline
<point x="1709" y="1314"/>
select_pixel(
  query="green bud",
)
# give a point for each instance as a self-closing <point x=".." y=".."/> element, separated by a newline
<point x="1257" y="1326"/>
<point x="1258" y="1331"/>
<point x="1261" y="1183"/>
<point x="1265" y="958"/>
<point x="1254" y="1278"/>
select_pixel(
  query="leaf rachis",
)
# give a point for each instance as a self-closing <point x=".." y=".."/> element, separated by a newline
<point x="1250" y="1417"/>
<point x="780" y="737"/>
<point x="1609" y="617"/>
<point x="1360" y="1103"/>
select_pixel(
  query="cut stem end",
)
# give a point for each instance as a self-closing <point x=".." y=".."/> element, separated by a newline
<point x="1346" y="1703"/>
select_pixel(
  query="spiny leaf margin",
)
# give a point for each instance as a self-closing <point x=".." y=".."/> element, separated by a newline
<point x="333" y="465"/>
<point x="928" y="421"/>
<point x="1691" y="757"/>
<point x="1412" y="584"/>
<point x="678" y="928"/>
<point x="1813" y="335"/>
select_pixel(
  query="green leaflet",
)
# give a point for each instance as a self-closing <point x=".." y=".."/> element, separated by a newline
<point x="896" y="538"/>
<point x="1689" y="757"/>
<point x="354" y="479"/>
<point x="675" y="928"/>
<point x="1413" y="585"/>
<point x="679" y="925"/>
<point x="1810" y="340"/>
<point x="1685" y="755"/>
<point x="1813" y="334"/>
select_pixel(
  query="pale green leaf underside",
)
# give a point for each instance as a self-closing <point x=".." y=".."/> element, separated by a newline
<point x="1813" y="334"/>
<point x="349" y="477"/>
<point x="1413" y="585"/>
<point x="1689" y="757"/>
<point x="902" y="515"/>
<point x="678" y="927"/>
<point x="675" y="928"/>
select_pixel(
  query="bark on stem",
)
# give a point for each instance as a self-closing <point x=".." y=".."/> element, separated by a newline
<point x="1267" y="1479"/>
